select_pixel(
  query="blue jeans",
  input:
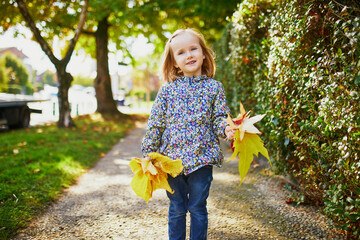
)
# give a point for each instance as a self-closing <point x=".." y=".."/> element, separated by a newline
<point x="191" y="192"/>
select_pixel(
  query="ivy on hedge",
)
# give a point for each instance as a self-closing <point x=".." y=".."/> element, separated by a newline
<point x="299" y="62"/>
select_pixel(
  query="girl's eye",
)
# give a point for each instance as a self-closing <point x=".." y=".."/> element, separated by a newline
<point x="194" y="48"/>
<point x="180" y="53"/>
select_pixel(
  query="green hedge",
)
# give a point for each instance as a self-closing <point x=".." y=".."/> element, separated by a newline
<point x="298" y="61"/>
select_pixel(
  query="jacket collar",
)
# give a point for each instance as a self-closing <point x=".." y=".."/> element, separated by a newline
<point x="192" y="79"/>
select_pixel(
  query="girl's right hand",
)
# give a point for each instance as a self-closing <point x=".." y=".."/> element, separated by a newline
<point x="229" y="132"/>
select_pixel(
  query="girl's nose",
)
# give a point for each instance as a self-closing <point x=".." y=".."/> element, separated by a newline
<point x="189" y="54"/>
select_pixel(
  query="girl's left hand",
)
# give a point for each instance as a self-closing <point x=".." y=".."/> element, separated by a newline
<point x="229" y="132"/>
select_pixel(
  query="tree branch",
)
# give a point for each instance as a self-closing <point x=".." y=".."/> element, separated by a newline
<point x="30" y="22"/>
<point x="77" y="32"/>
<point x="87" y="32"/>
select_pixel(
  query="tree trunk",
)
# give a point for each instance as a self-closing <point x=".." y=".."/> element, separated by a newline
<point x="65" y="80"/>
<point x="106" y="105"/>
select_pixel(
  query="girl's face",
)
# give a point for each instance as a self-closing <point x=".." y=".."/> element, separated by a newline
<point x="188" y="54"/>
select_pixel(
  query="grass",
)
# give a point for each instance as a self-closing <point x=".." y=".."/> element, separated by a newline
<point x="36" y="164"/>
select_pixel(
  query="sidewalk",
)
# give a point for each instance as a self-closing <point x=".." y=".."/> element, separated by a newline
<point x="102" y="205"/>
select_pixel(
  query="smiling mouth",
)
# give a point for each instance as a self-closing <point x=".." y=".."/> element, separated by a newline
<point x="191" y="62"/>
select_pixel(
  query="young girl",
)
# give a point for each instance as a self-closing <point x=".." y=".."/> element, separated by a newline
<point x="186" y="122"/>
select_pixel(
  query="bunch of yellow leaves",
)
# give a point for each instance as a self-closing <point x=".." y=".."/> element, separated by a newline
<point x="152" y="174"/>
<point x="247" y="142"/>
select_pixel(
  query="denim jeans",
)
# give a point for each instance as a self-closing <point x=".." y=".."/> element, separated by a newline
<point x="191" y="193"/>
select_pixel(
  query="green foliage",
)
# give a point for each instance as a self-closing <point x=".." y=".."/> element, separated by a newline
<point x="247" y="49"/>
<point x="154" y="20"/>
<point x="224" y="69"/>
<point x="17" y="75"/>
<point x="207" y="16"/>
<point x="36" y="164"/>
<point x="50" y="78"/>
<point x="10" y="16"/>
<point x="313" y="66"/>
<point x="4" y="79"/>
<point x="299" y="61"/>
<point x="54" y="18"/>
<point x="85" y="81"/>
<point x="343" y="207"/>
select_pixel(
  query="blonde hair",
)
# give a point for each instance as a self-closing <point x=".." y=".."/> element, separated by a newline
<point x="168" y="70"/>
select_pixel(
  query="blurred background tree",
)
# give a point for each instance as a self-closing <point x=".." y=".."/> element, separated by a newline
<point x="50" y="78"/>
<point x="48" y="15"/>
<point x="119" y="24"/>
<point x="14" y="77"/>
<point x="17" y="73"/>
<point x="4" y="79"/>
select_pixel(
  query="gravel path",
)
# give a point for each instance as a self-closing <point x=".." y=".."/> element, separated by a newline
<point x="103" y="206"/>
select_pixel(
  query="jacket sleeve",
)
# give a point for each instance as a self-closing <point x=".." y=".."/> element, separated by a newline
<point x="220" y="112"/>
<point x="156" y="124"/>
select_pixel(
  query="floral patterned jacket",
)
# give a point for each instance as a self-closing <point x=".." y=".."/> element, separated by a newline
<point x="186" y="121"/>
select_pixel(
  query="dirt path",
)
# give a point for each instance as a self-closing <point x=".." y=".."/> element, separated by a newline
<point x="103" y="206"/>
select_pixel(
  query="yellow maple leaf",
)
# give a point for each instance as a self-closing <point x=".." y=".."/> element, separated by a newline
<point x="151" y="174"/>
<point x="250" y="145"/>
<point x="247" y="142"/>
<point x="140" y="182"/>
<point x="243" y="122"/>
<point x="172" y="167"/>
<point x="147" y="166"/>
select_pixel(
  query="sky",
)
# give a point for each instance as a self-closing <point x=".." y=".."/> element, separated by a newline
<point x="79" y="63"/>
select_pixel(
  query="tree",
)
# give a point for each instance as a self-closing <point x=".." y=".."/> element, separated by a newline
<point x="82" y="80"/>
<point x="4" y="79"/>
<point x="105" y="100"/>
<point x="100" y="13"/>
<point x="208" y="16"/>
<point x="116" y="21"/>
<point x="18" y="76"/>
<point x="64" y="77"/>
<point x="49" y="78"/>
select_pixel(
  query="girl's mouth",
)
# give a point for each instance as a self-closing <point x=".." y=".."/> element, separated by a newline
<point x="191" y="62"/>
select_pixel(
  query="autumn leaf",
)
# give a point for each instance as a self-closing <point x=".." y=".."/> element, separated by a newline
<point x="247" y="142"/>
<point x="15" y="151"/>
<point x="147" y="165"/>
<point x="36" y="170"/>
<point x="244" y="123"/>
<point x="246" y="60"/>
<point x="22" y="144"/>
<point x="250" y="145"/>
<point x="140" y="182"/>
<point x="151" y="174"/>
<point x="166" y="164"/>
